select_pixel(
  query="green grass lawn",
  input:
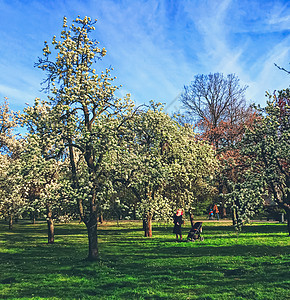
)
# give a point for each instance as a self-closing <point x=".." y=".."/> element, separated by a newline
<point x="256" y="265"/>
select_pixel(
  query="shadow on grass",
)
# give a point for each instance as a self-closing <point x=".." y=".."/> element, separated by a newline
<point x="132" y="267"/>
<point x="266" y="228"/>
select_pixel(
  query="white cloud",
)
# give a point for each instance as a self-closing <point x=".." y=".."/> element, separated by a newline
<point x="225" y="50"/>
<point x="269" y="77"/>
<point x="279" y="17"/>
<point x="13" y="93"/>
<point x="156" y="47"/>
<point x="141" y="49"/>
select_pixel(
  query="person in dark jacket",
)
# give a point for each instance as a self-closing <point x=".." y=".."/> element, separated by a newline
<point x="177" y="220"/>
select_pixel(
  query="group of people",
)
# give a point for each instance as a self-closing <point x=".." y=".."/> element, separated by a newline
<point x="214" y="213"/>
<point x="178" y="221"/>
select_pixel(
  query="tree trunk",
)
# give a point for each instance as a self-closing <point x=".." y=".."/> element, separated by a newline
<point x="134" y="212"/>
<point x="50" y="226"/>
<point x="101" y="218"/>
<point x="91" y="221"/>
<point x="284" y="205"/>
<point x="10" y="222"/>
<point x="92" y="224"/>
<point x="147" y="225"/>
<point x="288" y="219"/>
<point x="224" y="211"/>
<point x="33" y="218"/>
<point x="234" y="216"/>
<point x="191" y="219"/>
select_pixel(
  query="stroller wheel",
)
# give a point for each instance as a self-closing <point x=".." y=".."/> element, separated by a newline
<point x="201" y="238"/>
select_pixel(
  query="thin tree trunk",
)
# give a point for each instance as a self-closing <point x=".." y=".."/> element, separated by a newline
<point x="147" y="225"/>
<point x="50" y="226"/>
<point x="224" y="211"/>
<point x="101" y="218"/>
<point x="191" y="219"/>
<point x="223" y="208"/>
<point x="10" y="222"/>
<point x="33" y="217"/>
<point x="288" y="219"/>
<point x="92" y="224"/>
<point x="234" y="216"/>
<point x="134" y="212"/>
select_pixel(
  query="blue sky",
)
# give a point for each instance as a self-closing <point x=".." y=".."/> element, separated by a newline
<point x="156" y="47"/>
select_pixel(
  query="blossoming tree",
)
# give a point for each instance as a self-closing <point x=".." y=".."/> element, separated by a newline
<point x="87" y="117"/>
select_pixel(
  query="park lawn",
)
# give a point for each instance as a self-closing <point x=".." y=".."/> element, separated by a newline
<point x="256" y="265"/>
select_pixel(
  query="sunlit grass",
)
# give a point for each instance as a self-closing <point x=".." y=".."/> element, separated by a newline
<point x="254" y="265"/>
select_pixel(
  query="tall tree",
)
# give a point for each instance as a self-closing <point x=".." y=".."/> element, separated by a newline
<point x="213" y="100"/>
<point x="267" y="147"/>
<point x="216" y="105"/>
<point x="11" y="200"/>
<point x="88" y="118"/>
<point x="143" y="167"/>
<point x="164" y="165"/>
<point x="41" y="181"/>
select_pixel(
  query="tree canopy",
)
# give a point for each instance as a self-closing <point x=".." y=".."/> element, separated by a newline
<point x="84" y="117"/>
<point x="267" y="147"/>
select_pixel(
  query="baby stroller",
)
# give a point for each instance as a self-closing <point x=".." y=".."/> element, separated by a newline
<point x="195" y="232"/>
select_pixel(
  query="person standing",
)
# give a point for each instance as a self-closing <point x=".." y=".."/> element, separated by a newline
<point x="216" y="211"/>
<point x="178" y="221"/>
<point x="210" y="214"/>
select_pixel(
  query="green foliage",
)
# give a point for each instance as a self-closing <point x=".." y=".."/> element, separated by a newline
<point x="254" y="266"/>
<point x="266" y="148"/>
<point x="163" y="164"/>
<point x="10" y="143"/>
<point x="11" y="200"/>
<point x="82" y="122"/>
<point x="246" y="198"/>
<point x="12" y="204"/>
